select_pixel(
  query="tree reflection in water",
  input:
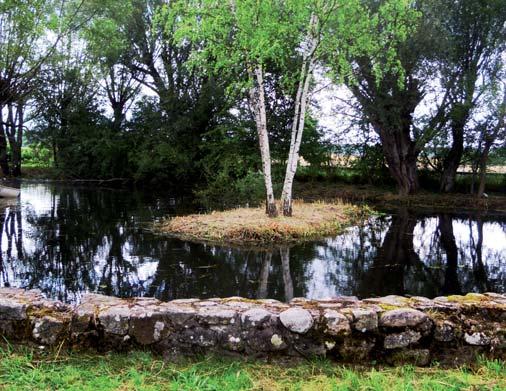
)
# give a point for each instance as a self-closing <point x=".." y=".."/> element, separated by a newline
<point x="66" y="240"/>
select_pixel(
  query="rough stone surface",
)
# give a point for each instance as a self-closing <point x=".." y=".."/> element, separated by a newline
<point x="444" y="331"/>
<point x="115" y="320"/>
<point x="477" y="339"/>
<point x="297" y="320"/>
<point x="393" y="329"/>
<point x="255" y="317"/>
<point x="403" y="317"/>
<point x="12" y="310"/>
<point x="401" y="340"/>
<point x="336" y="323"/>
<point x="47" y="330"/>
<point x="364" y="319"/>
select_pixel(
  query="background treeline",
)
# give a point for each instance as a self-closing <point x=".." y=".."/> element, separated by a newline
<point x="109" y="89"/>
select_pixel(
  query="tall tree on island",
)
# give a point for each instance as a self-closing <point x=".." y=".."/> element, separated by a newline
<point x="241" y="39"/>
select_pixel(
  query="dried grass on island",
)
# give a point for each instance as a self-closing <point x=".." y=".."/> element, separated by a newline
<point x="251" y="226"/>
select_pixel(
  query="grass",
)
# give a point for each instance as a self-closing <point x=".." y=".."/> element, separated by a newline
<point x="383" y="197"/>
<point x="25" y="369"/>
<point x="245" y="226"/>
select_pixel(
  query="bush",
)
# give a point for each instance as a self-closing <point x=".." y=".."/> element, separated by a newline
<point x="36" y="155"/>
<point x="225" y="192"/>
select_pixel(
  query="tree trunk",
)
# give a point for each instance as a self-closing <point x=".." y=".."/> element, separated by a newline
<point x="452" y="161"/>
<point x="287" y="277"/>
<point x="401" y="156"/>
<point x="4" y="163"/>
<point x="264" y="276"/>
<point x="451" y="282"/>
<point x="257" y="98"/>
<point x="14" y="131"/>
<point x="483" y="168"/>
<point x="301" y="100"/>
<point x="18" y="142"/>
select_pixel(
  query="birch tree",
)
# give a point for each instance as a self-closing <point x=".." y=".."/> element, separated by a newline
<point x="241" y="39"/>
<point x="300" y="106"/>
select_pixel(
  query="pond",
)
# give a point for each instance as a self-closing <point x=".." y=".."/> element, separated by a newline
<point x="67" y="240"/>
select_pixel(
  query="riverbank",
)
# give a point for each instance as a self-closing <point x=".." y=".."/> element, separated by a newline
<point x="251" y="226"/>
<point x="32" y="369"/>
<point x="388" y="198"/>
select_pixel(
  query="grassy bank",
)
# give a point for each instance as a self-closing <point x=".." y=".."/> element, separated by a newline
<point x="384" y="197"/>
<point x="249" y="226"/>
<point x="22" y="369"/>
<point x="40" y="172"/>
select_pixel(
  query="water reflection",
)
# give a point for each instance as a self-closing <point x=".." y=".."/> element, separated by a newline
<point x="66" y="240"/>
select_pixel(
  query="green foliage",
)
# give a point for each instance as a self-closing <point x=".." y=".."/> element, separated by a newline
<point x="231" y="164"/>
<point x="196" y="57"/>
<point x="237" y="35"/>
<point x="498" y="157"/>
<point x="223" y="191"/>
<point x="370" y="164"/>
<point x="36" y="155"/>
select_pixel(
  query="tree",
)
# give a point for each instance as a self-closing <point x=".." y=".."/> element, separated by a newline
<point x="190" y="101"/>
<point x="475" y="38"/>
<point x="107" y="47"/>
<point x="24" y="25"/>
<point x="241" y="39"/>
<point x="389" y="80"/>
<point x="491" y="133"/>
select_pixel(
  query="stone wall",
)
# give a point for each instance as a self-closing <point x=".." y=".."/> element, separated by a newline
<point x="390" y="329"/>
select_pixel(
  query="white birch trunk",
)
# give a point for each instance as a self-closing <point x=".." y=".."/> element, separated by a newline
<point x="287" y="277"/>
<point x="264" y="276"/>
<point x="300" y="107"/>
<point x="257" y="101"/>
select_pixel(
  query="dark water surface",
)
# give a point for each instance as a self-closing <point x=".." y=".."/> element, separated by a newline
<point x="68" y="240"/>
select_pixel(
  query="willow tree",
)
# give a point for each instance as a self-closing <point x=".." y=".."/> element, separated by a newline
<point x="491" y="133"/>
<point x="139" y="53"/>
<point x="475" y="39"/>
<point x="105" y="37"/>
<point x="22" y="24"/>
<point x="388" y="81"/>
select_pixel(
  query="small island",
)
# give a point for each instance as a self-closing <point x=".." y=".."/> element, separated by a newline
<point x="251" y="226"/>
